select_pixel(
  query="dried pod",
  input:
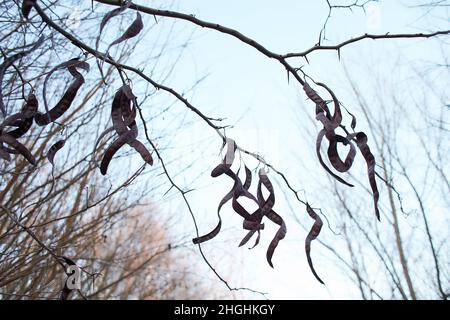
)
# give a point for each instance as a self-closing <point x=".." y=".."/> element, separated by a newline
<point x="361" y="142"/>
<point x="333" y="155"/>
<point x="281" y="233"/>
<point x="318" y="144"/>
<point x="54" y="149"/>
<point x="313" y="234"/>
<point x="321" y="106"/>
<point x="228" y="159"/>
<point x="20" y="148"/>
<point x="114" y="147"/>
<point x="67" y="99"/>
<point x="336" y="119"/>
<point x="27" y="5"/>
<point x="133" y="30"/>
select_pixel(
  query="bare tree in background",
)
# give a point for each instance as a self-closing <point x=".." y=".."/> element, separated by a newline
<point x="58" y="212"/>
<point x="409" y="258"/>
<point x="54" y="214"/>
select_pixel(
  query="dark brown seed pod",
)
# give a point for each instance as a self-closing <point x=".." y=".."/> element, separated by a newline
<point x="20" y="148"/>
<point x="230" y="195"/>
<point x="139" y="147"/>
<point x="67" y="99"/>
<point x="113" y="148"/>
<point x="361" y="142"/>
<point x="227" y="161"/>
<point x="318" y="144"/>
<point x="313" y="234"/>
<point x="266" y="207"/>
<point x="27" y="5"/>
<point x="336" y="119"/>
<point x="22" y="120"/>
<point x="333" y="155"/>
<point x="281" y="233"/>
<point x="321" y="106"/>
<point x="115" y="12"/>
<point x="133" y="30"/>
<point x="54" y="149"/>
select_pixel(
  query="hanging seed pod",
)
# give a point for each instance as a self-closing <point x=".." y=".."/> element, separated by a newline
<point x="67" y="99"/>
<point x="54" y="149"/>
<point x="27" y="5"/>
<point x="17" y="146"/>
<point x="313" y="234"/>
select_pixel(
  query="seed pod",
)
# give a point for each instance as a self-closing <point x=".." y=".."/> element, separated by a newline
<point x="54" y="149"/>
<point x="313" y="233"/>
<point x="20" y="148"/>
<point x="27" y="5"/>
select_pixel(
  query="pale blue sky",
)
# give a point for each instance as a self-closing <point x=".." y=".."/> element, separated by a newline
<point x="252" y="92"/>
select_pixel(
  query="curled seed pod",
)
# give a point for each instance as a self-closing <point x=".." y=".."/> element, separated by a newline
<point x="13" y="120"/>
<point x="133" y="30"/>
<point x="281" y="233"/>
<point x="234" y="190"/>
<point x="20" y="148"/>
<point x="54" y="149"/>
<point x="333" y="155"/>
<point x="313" y="233"/>
<point x="227" y="161"/>
<point x="27" y="5"/>
<point x="67" y="99"/>
<point x="121" y="102"/>
<point x="318" y="144"/>
<point x="21" y="129"/>
<point x="139" y="147"/>
<point x="361" y="142"/>
<point x="115" y="12"/>
<point x="321" y="106"/>
<point x="113" y="148"/>
<point x="266" y="206"/>
<point x="336" y="119"/>
<point x="123" y="115"/>
<point x="22" y="120"/>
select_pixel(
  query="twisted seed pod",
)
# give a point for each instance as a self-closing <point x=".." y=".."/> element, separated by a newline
<point x="336" y="119"/>
<point x="228" y="159"/>
<point x="54" y="149"/>
<point x="313" y="233"/>
<point x="234" y="190"/>
<point x="266" y="206"/>
<point x="318" y="144"/>
<point x="67" y="99"/>
<point x="321" y="106"/>
<point x="114" y="147"/>
<point x="133" y="30"/>
<point x="20" y="148"/>
<point x="333" y="155"/>
<point x="281" y="233"/>
<point x="361" y="142"/>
